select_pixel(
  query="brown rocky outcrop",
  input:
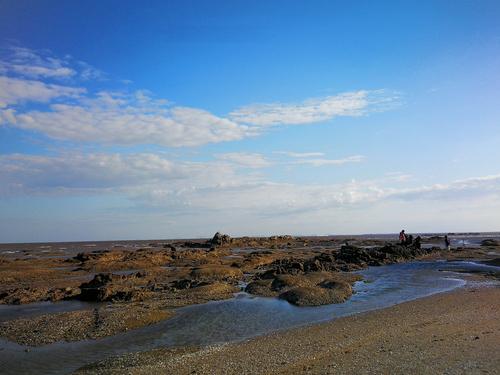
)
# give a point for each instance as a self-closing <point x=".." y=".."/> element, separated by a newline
<point x="211" y="272"/>
<point x="109" y="287"/>
<point x="308" y="289"/>
<point x="20" y="296"/>
<point x="220" y="239"/>
<point x="292" y="278"/>
<point x="114" y="260"/>
<point x="261" y="288"/>
<point x="323" y="294"/>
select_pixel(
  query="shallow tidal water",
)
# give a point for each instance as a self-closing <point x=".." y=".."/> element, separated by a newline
<point x="236" y="319"/>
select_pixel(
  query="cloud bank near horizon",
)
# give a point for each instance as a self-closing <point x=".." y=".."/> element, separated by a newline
<point x="155" y="180"/>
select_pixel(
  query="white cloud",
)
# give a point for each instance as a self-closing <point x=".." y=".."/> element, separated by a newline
<point x="42" y="71"/>
<point x="269" y="199"/>
<point x="15" y="91"/>
<point x="87" y="72"/>
<point x="7" y="116"/>
<point x="191" y="188"/>
<point x="398" y="176"/>
<point x="463" y="188"/>
<point x="33" y="64"/>
<point x="313" y="110"/>
<point x="128" y="119"/>
<point x="132" y="118"/>
<point x="300" y="154"/>
<point x="322" y="162"/>
<point x="77" y="172"/>
<point x="244" y="159"/>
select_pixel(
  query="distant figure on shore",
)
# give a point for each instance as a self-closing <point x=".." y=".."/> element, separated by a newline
<point x="417" y="242"/>
<point x="447" y="243"/>
<point x="402" y="237"/>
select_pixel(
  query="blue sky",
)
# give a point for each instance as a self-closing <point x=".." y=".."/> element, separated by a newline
<point x="120" y="120"/>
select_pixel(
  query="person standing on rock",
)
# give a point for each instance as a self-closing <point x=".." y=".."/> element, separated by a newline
<point x="447" y="243"/>
<point x="402" y="237"/>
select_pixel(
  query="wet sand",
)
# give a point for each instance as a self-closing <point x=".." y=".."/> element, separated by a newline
<point x="450" y="333"/>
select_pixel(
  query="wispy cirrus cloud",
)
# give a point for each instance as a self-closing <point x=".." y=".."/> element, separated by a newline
<point x="318" y="159"/>
<point x="245" y="159"/>
<point x="314" y="110"/>
<point x="315" y="162"/>
<point x="300" y="154"/>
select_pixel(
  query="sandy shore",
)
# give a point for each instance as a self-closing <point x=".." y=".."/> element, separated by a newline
<point x="450" y="333"/>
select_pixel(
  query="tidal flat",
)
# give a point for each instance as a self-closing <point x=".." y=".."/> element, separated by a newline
<point x="65" y="306"/>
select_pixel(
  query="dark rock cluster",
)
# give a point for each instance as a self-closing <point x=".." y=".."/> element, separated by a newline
<point x="490" y="242"/>
<point x="220" y="239"/>
<point x="306" y="289"/>
<point x="333" y="286"/>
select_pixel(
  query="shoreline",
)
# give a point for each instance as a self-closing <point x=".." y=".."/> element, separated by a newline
<point x="433" y="334"/>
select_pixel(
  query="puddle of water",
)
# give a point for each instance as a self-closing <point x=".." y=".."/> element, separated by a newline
<point x="471" y="240"/>
<point x="243" y="317"/>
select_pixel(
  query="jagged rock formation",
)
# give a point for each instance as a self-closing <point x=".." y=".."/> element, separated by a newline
<point x="220" y="239"/>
